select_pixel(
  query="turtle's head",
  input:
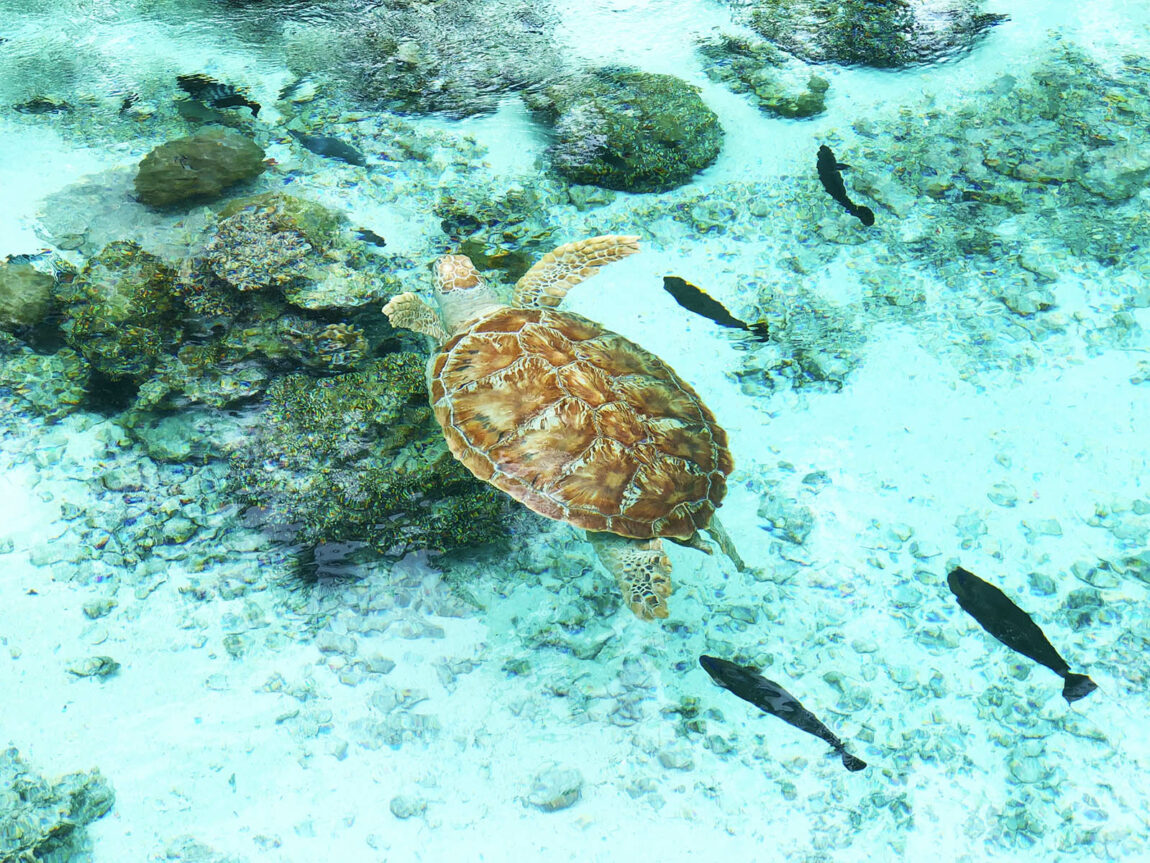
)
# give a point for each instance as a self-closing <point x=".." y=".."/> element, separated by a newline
<point x="461" y="292"/>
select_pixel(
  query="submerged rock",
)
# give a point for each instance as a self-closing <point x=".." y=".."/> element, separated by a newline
<point x="629" y="130"/>
<point x="199" y="166"/>
<point x="122" y="310"/>
<point x="53" y="385"/>
<point x="886" y="35"/>
<point x="25" y="295"/>
<point x="779" y="86"/>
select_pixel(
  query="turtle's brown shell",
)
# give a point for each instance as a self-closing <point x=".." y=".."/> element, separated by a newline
<point x="579" y="424"/>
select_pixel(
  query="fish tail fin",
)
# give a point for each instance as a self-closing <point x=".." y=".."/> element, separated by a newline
<point x="842" y="166"/>
<point x="1077" y="686"/>
<point x="851" y="763"/>
<point x="760" y="331"/>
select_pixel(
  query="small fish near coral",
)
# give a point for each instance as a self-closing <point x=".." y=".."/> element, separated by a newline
<point x="216" y="94"/>
<point x="998" y="615"/>
<point x="829" y="168"/>
<point x="330" y="148"/>
<point x="696" y="300"/>
<point x="367" y="235"/>
<point x="771" y="698"/>
<point x="40" y="105"/>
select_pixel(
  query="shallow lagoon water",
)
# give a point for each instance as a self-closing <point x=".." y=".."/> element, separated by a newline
<point x="965" y="383"/>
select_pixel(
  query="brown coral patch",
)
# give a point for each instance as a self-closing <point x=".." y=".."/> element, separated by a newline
<point x="490" y="409"/>
<point x="542" y="449"/>
<point x="597" y="481"/>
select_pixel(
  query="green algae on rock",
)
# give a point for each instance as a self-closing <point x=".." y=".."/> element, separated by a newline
<point x="198" y="166"/>
<point x="629" y="130"/>
<point x="53" y="385"/>
<point x="297" y="246"/>
<point x="883" y="35"/>
<point x="122" y="310"/>
<point x="25" y="295"/>
<point x="358" y="457"/>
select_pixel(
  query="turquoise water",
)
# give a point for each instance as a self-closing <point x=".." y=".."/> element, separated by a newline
<point x="254" y="610"/>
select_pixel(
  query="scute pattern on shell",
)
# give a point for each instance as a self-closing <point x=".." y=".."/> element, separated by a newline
<point x="579" y="424"/>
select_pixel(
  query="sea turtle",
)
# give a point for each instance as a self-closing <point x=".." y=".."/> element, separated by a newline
<point x="574" y="421"/>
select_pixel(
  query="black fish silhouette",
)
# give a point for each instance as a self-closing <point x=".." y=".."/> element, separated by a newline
<point x="697" y="300"/>
<point x="771" y="698"/>
<point x="332" y="148"/>
<point x="40" y="105"/>
<point x="367" y="235"/>
<point x="215" y="93"/>
<point x="995" y="613"/>
<point x="832" y="181"/>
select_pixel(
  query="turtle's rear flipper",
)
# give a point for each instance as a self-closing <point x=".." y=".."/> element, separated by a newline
<point x="641" y="568"/>
<point x="723" y="539"/>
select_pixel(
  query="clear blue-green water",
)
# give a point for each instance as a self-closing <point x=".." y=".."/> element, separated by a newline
<point x="252" y="609"/>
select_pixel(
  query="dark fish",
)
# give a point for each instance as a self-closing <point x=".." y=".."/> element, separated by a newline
<point x="332" y="148"/>
<point x="771" y="698"/>
<point x="40" y="105"/>
<point x="697" y="300"/>
<point x="1013" y="627"/>
<point x="215" y="93"/>
<point x="27" y="257"/>
<point x="370" y="236"/>
<point x="832" y="181"/>
<point x="129" y="100"/>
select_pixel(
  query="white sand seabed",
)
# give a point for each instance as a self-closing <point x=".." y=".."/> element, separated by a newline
<point x="909" y="440"/>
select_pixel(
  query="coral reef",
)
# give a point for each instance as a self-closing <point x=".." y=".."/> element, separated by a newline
<point x="501" y="229"/>
<point x="122" y="310"/>
<point x="628" y="130"/>
<point x="251" y="250"/>
<point x="41" y="820"/>
<point x="456" y="57"/>
<point x="297" y="246"/>
<point x="358" y="457"/>
<point x="53" y="385"/>
<point x="197" y="167"/>
<point x="779" y="86"/>
<point x="884" y="35"/>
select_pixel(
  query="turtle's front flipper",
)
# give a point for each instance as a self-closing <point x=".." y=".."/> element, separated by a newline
<point x="547" y="283"/>
<point x="410" y="312"/>
<point x="641" y="568"/>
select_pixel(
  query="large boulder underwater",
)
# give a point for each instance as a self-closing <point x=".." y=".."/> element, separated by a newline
<point x="885" y="35"/>
<point x="197" y="167"/>
<point x="628" y="130"/>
